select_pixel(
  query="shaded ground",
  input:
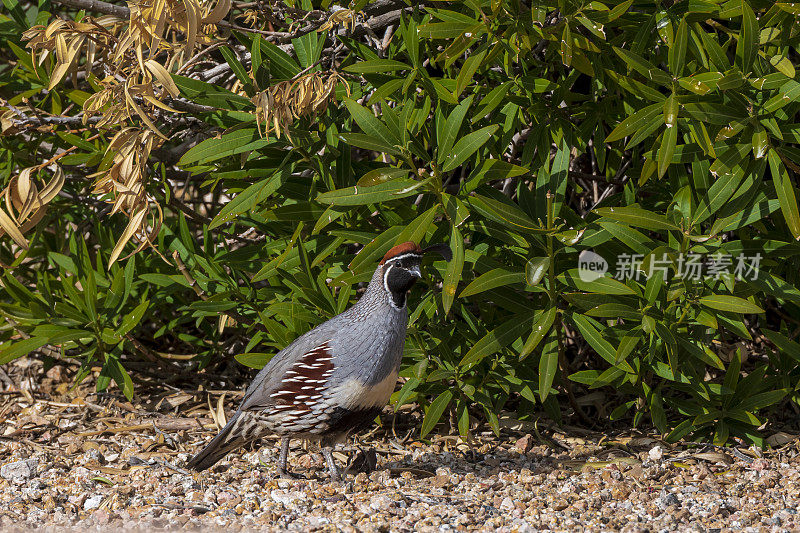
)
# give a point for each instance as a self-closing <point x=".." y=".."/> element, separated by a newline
<point x="80" y="460"/>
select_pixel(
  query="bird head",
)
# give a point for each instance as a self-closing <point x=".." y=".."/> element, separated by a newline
<point x="401" y="268"/>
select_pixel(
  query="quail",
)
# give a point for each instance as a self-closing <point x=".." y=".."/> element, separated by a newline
<point x="335" y="379"/>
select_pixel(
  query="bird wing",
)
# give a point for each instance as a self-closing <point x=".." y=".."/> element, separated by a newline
<point x="303" y="363"/>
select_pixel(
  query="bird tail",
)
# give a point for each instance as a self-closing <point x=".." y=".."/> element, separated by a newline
<point x="226" y="441"/>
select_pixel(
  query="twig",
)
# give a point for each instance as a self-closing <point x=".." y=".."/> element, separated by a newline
<point x="176" y="256"/>
<point x="383" y="13"/>
<point x="191" y="213"/>
<point x="62" y="154"/>
<point x="184" y="105"/>
<point x="197" y="56"/>
<point x="302" y="72"/>
<point x="99" y="7"/>
<point x="594" y="177"/>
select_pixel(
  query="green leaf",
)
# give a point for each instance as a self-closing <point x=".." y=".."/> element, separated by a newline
<point x="784" y="344"/>
<point x="204" y="93"/>
<point x="254" y="359"/>
<point x="235" y="142"/>
<point x="13" y="350"/>
<point x="467" y="71"/>
<point x="733" y="304"/>
<point x="536" y="269"/>
<point x="16" y="13"/>
<point x="559" y="174"/>
<point x="626" y="346"/>
<point x="490" y="102"/>
<point x="667" y="149"/>
<point x="383" y="192"/>
<point x="614" y="310"/>
<point x="370" y="124"/>
<point x="503" y="213"/>
<point x="250" y="197"/>
<point x="496" y="340"/>
<point x="416" y="230"/>
<point x="281" y="64"/>
<point x="374" y="66"/>
<point x="381" y="175"/>
<point x="466" y="146"/>
<point x="677" y="52"/>
<point x="786" y="193"/>
<point x="747" y="45"/>
<point x="715" y="52"/>
<point x="454" y="269"/>
<point x="491" y="170"/>
<point x="548" y="365"/>
<point x="657" y="412"/>
<point x="539" y="330"/>
<point x="133" y="318"/>
<point x="448" y="30"/>
<point x="435" y="411"/>
<point x="238" y="69"/>
<point x="447" y="135"/>
<point x="121" y="377"/>
<point x="638" y="121"/>
<point x="638" y="217"/>
<point x="401" y="397"/>
<point x="372" y="252"/>
<point x="497" y="277"/>
<point x="368" y="142"/>
<point x="764" y="399"/>
<point x="602" y="285"/>
<point x="594" y="338"/>
<point x="644" y="67"/>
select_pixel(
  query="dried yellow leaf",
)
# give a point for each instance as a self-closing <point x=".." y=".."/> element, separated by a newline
<point x="8" y="226"/>
<point x="163" y="77"/>
<point x="220" y="11"/>
<point x="134" y="225"/>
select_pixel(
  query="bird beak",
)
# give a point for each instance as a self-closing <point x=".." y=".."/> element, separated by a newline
<point x="441" y="249"/>
<point x="415" y="271"/>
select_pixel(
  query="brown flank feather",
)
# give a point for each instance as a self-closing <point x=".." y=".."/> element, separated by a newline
<point x="404" y="248"/>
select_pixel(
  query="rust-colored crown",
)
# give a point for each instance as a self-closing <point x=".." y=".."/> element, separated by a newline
<point x="406" y="247"/>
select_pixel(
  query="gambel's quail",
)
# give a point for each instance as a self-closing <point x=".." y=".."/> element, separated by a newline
<point x="334" y="379"/>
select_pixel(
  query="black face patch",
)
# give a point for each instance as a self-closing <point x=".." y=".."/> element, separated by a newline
<point x="399" y="280"/>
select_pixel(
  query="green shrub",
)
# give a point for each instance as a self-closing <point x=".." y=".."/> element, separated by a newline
<point x="261" y="180"/>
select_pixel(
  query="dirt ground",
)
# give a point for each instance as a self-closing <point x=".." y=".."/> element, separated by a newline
<point x="80" y="460"/>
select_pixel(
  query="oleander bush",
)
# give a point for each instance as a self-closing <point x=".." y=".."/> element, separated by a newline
<point x="201" y="182"/>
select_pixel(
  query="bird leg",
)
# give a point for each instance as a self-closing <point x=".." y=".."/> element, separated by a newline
<point x="332" y="468"/>
<point x="282" y="460"/>
<point x="363" y="461"/>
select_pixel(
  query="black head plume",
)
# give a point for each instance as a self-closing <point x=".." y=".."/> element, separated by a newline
<point x="441" y="249"/>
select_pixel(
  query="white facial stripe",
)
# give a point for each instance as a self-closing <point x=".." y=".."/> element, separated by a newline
<point x="386" y="278"/>
<point x="403" y="256"/>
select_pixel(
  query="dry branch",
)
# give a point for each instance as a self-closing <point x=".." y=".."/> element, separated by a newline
<point x="382" y="13"/>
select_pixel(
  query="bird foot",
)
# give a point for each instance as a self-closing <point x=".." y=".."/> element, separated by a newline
<point x="363" y="461"/>
<point x="285" y="474"/>
<point x="335" y="473"/>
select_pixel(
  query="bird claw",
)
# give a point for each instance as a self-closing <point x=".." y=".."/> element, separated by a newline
<point x="336" y="476"/>
<point x="363" y="461"/>
<point x="285" y="474"/>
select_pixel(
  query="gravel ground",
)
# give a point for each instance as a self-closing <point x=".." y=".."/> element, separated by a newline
<point x="81" y="461"/>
